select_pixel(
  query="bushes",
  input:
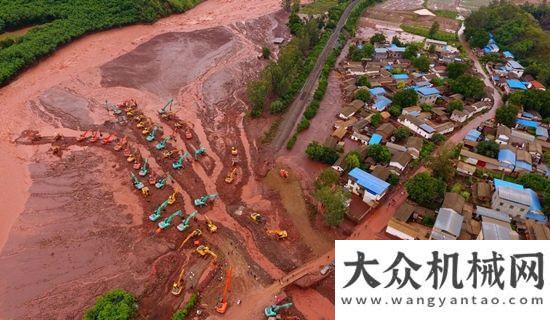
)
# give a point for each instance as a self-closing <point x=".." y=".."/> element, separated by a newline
<point x="276" y="107"/>
<point x="114" y="304"/>
<point x="182" y="313"/>
<point x="363" y="95"/>
<point x="318" y="152"/>
<point x="292" y="141"/>
<point x="302" y="125"/>
<point x="59" y="22"/>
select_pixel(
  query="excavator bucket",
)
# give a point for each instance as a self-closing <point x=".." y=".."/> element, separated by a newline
<point x="83" y="136"/>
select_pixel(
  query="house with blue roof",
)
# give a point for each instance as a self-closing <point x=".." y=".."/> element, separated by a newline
<point x="491" y="46"/>
<point x="507" y="159"/>
<point x="515" y="68"/>
<point x="527" y="123"/>
<point x="524" y="161"/>
<point x="508" y="55"/>
<point x="380" y="53"/>
<point x="366" y="185"/>
<point x="401" y="77"/>
<point x="427" y="95"/>
<point x="513" y="85"/>
<point x="542" y="133"/>
<point x="472" y="135"/>
<point x="395" y="51"/>
<point x="381" y="103"/>
<point x="376" y="91"/>
<point x="516" y="201"/>
<point x="375" y="139"/>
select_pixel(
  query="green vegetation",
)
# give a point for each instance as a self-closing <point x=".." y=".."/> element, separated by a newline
<point x="425" y="32"/>
<point x="402" y="133"/>
<point x="266" y="52"/>
<point x="114" y="304"/>
<point x="405" y="98"/>
<point x="422" y="63"/>
<point x="318" y="6"/>
<point x="515" y="30"/>
<point x="507" y="115"/>
<point x="393" y="179"/>
<point x="352" y="160"/>
<point x="469" y="86"/>
<point x="363" y="95"/>
<point x="362" y="81"/>
<point x="182" y="313"/>
<point x="425" y="190"/>
<point x="318" y="152"/>
<point x="61" y="21"/>
<point x="456" y="69"/>
<point x="541" y="185"/>
<point x="381" y="154"/>
<point x="377" y="38"/>
<point x="359" y="53"/>
<point x="533" y="100"/>
<point x="455" y="105"/>
<point x="446" y="13"/>
<point x="488" y="148"/>
<point x="442" y="165"/>
<point x="376" y="119"/>
<point x="332" y="196"/>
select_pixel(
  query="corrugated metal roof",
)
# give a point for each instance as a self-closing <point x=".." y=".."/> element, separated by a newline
<point x="369" y="182"/>
<point x="507" y="155"/>
<point x="517" y="196"/>
<point x="381" y="103"/>
<point x="507" y="184"/>
<point x="375" y="139"/>
<point x="495" y="231"/>
<point x="427" y="128"/>
<point x="449" y="221"/>
<point x="377" y="91"/>
<point x="401" y="76"/>
<point x="486" y="212"/>
<point x="528" y="123"/>
<point x="516" y="84"/>
<point x="427" y="91"/>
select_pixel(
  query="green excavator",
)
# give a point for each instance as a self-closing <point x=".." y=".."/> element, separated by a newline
<point x="162" y="144"/>
<point x="144" y="170"/>
<point x="185" y="223"/>
<point x="162" y="181"/>
<point x="166" y="106"/>
<point x="202" y="201"/>
<point x="112" y="107"/>
<point x="166" y="222"/>
<point x="137" y="184"/>
<point x="179" y="163"/>
<point x="152" y="134"/>
<point x="199" y="151"/>
<point x="273" y="310"/>
<point x="158" y="211"/>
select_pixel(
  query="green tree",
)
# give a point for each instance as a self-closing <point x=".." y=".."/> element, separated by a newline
<point x="334" y="201"/>
<point x="266" y="52"/>
<point x="455" y="105"/>
<point x="402" y="133"/>
<point x="380" y="154"/>
<point x="422" y="63"/>
<point x="318" y="152"/>
<point x="377" y="38"/>
<point x="363" y="95"/>
<point x="488" y="148"/>
<point x="303" y="125"/>
<point x="114" y="304"/>
<point x="433" y="29"/>
<point x="395" y="40"/>
<point x="438" y="138"/>
<point x="393" y="179"/>
<point x="376" y="119"/>
<point x="395" y="111"/>
<point x="456" y="69"/>
<point x="426" y="107"/>
<point x="352" y="160"/>
<point x="294" y="23"/>
<point x="507" y="115"/>
<point x="183" y="313"/>
<point x="276" y="106"/>
<point x="425" y="190"/>
<point x="362" y="81"/>
<point x="257" y="92"/>
<point x="411" y="51"/>
<point x="479" y="38"/>
<point x="442" y="166"/>
<point x="327" y="178"/>
<point x="469" y="86"/>
<point x="405" y="98"/>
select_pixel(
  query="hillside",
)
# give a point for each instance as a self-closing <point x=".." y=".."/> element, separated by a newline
<point x="54" y="23"/>
<point x="515" y="30"/>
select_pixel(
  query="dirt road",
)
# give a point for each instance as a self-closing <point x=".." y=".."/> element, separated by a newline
<point x="297" y="108"/>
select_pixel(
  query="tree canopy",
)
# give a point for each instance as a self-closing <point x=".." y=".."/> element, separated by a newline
<point x="456" y="69"/>
<point x="405" y="98"/>
<point x="469" y="86"/>
<point x="455" y="105"/>
<point x="318" y="152"/>
<point x="380" y="154"/>
<point x="425" y="190"/>
<point x="488" y="148"/>
<point x="115" y="304"/>
<point x="507" y="115"/>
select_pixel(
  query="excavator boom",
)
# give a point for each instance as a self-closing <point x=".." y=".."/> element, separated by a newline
<point x="222" y="306"/>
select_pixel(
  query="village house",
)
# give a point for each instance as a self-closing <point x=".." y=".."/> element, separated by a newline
<point x="537" y="231"/>
<point x="393" y="147"/>
<point x="465" y="168"/>
<point x="513" y="85"/>
<point x="479" y="160"/>
<point x="399" y="225"/>
<point x="413" y="111"/>
<point x="414" y="145"/>
<point x="503" y="134"/>
<point x="514" y="68"/>
<point x="359" y="137"/>
<point x="507" y="159"/>
<point x="386" y="130"/>
<point x="399" y="161"/>
<point x="427" y="95"/>
<point x="459" y="116"/>
<point x="524" y="162"/>
<point x="494" y="229"/>
<point x="419" y="127"/>
<point x="516" y="201"/>
<point x="381" y="172"/>
<point x="438" y="45"/>
<point x="349" y="110"/>
<point x="364" y="184"/>
<point x="482" y="191"/>
<point x="447" y="226"/>
<point x="453" y="201"/>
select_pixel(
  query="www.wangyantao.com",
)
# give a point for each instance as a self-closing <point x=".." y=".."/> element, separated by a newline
<point x="440" y="302"/>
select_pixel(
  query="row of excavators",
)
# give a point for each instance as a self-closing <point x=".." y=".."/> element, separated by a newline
<point x="150" y="132"/>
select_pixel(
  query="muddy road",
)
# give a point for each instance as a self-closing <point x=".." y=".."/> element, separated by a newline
<point x="73" y="226"/>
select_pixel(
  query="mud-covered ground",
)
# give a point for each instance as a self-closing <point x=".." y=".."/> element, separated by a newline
<point x="73" y="224"/>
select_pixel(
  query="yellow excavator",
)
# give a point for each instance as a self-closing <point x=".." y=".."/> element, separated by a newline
<point x="231" y="176"/>
<point x="195" y="233"/>
<point x="204" y="250"/>
<point x="172" y="198"/>
<point x="211" y="226"/>
<point x="281" y="234"/>
<point x="177" y="287"/>
<point x="256" y="217"/>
